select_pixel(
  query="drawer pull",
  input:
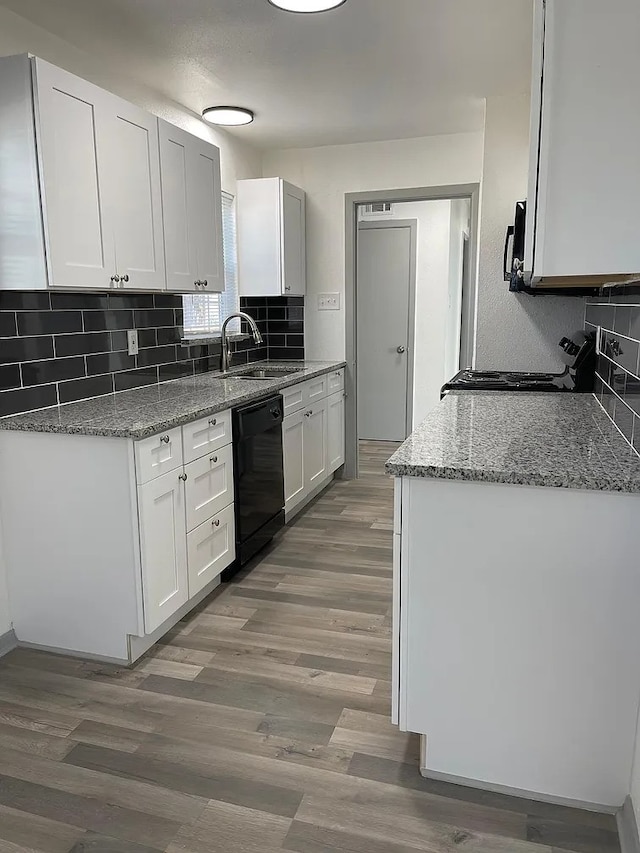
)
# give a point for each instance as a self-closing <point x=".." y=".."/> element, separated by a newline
<point x="183" y="477"/>
<point x="216" y="523"/>
<point x="213" y="422"/>
<point x="213" y="459"/>
<point x="165" y="439"/>
<point x="308" y="414"/>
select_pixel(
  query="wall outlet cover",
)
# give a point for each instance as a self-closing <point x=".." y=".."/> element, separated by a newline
<point x="132" y="342"/>
<point x="328" y="302"/>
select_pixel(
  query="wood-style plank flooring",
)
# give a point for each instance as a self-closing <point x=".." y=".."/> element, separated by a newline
<point x="260" y="724"/>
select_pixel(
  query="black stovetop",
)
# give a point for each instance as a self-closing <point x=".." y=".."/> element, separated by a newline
<point x="498" y="380"/>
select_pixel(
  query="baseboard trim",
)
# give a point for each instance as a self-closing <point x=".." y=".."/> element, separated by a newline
<point x="8" y="642"/>
<point x="71" y="653"/>
<point x="628" y="828"/>
<point x="506" y="789"/>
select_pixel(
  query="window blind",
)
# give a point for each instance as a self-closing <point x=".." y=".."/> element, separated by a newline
<point x="204" y="313"/>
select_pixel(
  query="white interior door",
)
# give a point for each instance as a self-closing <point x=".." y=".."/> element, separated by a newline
<point x="386" y="264"/>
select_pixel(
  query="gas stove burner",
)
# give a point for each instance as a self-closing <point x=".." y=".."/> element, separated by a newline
<point x="529" y="377"/>
<point x="481" y="375"/>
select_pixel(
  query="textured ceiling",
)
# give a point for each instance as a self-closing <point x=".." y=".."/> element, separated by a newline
<point x="369" y="70"/>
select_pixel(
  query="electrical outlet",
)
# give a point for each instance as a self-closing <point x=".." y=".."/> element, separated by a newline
<point x="328" y="302"/>
<point x="132" y="342"/>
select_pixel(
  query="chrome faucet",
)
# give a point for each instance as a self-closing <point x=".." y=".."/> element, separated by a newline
<point x="225" y="359"/>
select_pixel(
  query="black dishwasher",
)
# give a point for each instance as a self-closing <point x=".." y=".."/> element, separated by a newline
<point x="259" y="477"/>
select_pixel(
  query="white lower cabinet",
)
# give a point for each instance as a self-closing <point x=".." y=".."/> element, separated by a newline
<point x="186" y="516"/>
<point x="315" y="445"/>
<point x="313" y="439"/>
<point x="211" y="547"/>
<point x="209" y="485"/>
<point x="335" y="430"/>
<point x="163" y="548"/>
<point x="293" y="459"/>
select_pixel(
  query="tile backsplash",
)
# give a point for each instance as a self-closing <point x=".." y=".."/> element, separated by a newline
<point x="61" y="347"/>
<point x="617" y="312"/>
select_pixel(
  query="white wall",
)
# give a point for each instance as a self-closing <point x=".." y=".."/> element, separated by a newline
<point x="5" y="614"/>
<point x="514" y="331"/>
<point x="460" y="224"/>
<point x="328" y="173"/>
<point x="18" y="35"/>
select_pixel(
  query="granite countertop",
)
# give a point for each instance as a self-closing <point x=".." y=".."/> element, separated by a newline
<point x="156" y="408"/>
<point x="557" y="440"/>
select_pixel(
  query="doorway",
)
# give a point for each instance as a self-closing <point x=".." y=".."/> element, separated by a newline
<point x="386" y="270"/>
<point x="391" y="384"/>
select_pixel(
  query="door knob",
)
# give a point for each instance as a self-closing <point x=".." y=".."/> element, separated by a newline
<point x="400" y="350"/>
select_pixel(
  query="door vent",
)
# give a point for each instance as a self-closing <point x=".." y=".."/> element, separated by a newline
<point x="378" y="208"/>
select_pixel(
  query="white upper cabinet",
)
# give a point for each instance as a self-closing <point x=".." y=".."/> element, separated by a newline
<point x="271" y="238"/>
<point x="84" y="204"/>
<point x="191" y="200"/>
<point x="133" y="189"/>
<point x="583" y="213"/>
<point x="73" y="131"/>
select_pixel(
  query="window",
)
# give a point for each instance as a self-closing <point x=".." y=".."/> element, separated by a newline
<point x="204" y="313"/>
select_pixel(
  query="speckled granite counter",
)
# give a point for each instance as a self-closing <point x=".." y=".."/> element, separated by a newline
<point x="146" y="411"/>
<point x="556" y="440"/>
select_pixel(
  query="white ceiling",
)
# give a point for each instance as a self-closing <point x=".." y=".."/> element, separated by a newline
<point x="369" y="70"/>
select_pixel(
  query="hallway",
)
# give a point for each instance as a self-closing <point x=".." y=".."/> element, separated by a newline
<point x="260" y="724"/>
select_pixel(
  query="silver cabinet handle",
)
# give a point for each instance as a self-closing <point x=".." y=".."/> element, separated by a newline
<point x="213" y="422"/>
<point x="205" y="283"/>
<point x="308" y="414"/>
<point x="124" y="277"/>
<point x="198" y="283"/>
<point x="216" y="523"/>
<point x="115" y="279"/>
<point x="165" y="439"/>
<point x="213" y="459"/>
<point x="400" y="350"/>
<point x="183" y="477"/>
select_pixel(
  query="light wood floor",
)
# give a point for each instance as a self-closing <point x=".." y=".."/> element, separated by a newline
<point x="260" y="724"/>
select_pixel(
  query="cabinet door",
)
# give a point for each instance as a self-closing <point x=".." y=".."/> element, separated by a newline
<point x="211" y="548"/>
<point x="293" y="459"/>
<point x="163" y="547"/>
<point x="209" y="486"/>
<point x="293" y="226"/>
<point x="207" y="215"/>
<point x="335" y="431"/>
<point x="72" y="125"/>
<point x="315" y="445"/>
<point x="585" y="168"/>
<point x="177" y="203"/>
<point x="134" y="194"/>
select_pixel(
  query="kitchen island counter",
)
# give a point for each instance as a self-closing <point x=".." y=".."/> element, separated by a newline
<point x="515" y="607"/>
<point x="555" y="440"/>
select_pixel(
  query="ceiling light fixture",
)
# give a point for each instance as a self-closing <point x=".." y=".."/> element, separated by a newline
<point x="307" y="6"/>
<point x="228" y="116"/>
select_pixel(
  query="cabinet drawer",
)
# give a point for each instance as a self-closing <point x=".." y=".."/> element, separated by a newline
<point x="335" y="381"/>
<point x="158" y="455"/>
<point x="315" y="389"/>
<point x="293" y="398"/>
<point x="205" y="435"/>
<point x="211" y="547"/>
<point x="209" y="485"/>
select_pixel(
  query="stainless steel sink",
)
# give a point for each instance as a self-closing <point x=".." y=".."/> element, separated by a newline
<point x="269" y="372"/>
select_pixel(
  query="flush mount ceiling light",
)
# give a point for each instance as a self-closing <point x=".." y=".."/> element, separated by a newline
<point x="307" y="6"/>
<point x="228" y="116"/>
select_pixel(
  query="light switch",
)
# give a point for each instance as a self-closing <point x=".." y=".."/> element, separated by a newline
<point x="132" y="342"/>
<point x="328" y="302"/>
